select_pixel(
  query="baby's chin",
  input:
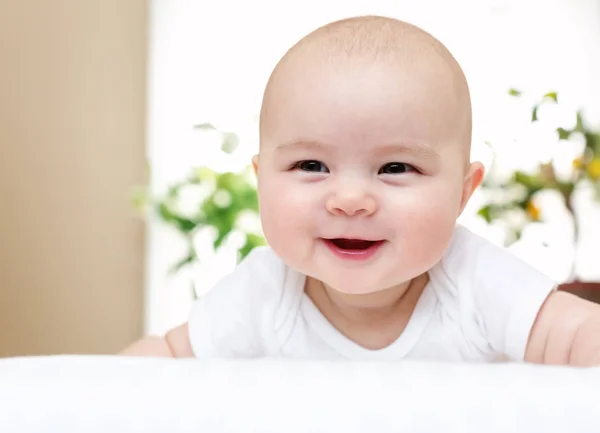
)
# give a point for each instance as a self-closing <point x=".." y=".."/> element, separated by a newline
<point x="354" y="283"/>
<point x="359" y="280"/>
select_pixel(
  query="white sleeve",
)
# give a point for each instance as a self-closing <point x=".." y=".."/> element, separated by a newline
<point x="505" y="292"/>
<point x="236" y="318"/>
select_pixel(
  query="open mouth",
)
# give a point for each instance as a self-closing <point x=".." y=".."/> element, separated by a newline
<point x="352" y="244"/>
<point x="353" y="249"/>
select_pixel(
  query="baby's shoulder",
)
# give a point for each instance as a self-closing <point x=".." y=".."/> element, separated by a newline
<point x="242" y="315"/>
<point x="469" y="252"/>
<point x="491" y="295"/>
<point x="475" y="265"/>
<point x="260" y="273"/>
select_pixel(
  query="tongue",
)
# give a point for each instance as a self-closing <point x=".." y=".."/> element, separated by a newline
<point x="352" y="244"/>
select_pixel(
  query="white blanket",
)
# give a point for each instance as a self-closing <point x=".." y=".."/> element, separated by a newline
<point x="75" y="394"/>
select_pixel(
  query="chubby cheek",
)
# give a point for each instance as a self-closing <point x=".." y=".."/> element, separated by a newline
<point x="287" y="217"/>
<point x="424" y="224"/>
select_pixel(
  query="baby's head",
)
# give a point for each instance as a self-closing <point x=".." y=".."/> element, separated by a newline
<point x="364" y="162"/>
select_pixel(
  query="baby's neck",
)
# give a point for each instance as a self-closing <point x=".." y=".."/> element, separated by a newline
<point x="373" y="320"/>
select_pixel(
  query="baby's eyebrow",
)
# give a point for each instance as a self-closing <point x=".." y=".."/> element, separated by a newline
<point x="419" y="150"/>
<point x="302" y="144"/>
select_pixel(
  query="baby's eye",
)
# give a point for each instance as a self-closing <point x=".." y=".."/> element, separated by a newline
<point x="396" y="168"/>
<point x="312" y="166"/>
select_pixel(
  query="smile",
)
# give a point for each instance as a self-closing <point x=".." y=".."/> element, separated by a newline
<point x="353" y="249"/>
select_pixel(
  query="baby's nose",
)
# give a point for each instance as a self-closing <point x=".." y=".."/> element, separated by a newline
<point x="351" y="203"/>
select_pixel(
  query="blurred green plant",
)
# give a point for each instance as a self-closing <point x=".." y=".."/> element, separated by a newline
<point x="227" y="197"/>
<point x="520" y="190"/>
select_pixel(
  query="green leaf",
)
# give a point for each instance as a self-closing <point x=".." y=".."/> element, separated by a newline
<point x="222" y="219"/>
<point x="522" y="204"/>
<point x="189" y="258"/>
<point x="579" y="126"/>
<point x="592" y="142"/>
<point x="534" y="115"/>
<point x="205" y="127"/>
<point x="518" y="233"/>
<point x="551" y="95"/>
<point x="186" y="225"/>
<point x="531" y="182"/>
<point x="173" y="190"/>
<point x="566" y="189"/>
<point x="563" y="134"/>
<point x="485" y="213"/>
<point x="514" y="92"/>
<point x="183" y="224"/>
<point x="193" y="291"/>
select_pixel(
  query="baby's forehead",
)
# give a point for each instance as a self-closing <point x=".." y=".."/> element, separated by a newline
<point x="413" y="71"/>
<point x="348" y="92"/>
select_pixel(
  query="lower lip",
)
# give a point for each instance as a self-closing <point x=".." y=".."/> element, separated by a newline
<point x="358" y="255"/>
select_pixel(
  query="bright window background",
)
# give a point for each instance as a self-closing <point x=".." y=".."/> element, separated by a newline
<point x="210" y="62"/>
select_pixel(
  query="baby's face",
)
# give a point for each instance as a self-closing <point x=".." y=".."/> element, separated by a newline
<point x="361" y="173"/>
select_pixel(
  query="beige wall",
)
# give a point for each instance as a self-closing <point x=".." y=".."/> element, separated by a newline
<point x="72" y="106"/>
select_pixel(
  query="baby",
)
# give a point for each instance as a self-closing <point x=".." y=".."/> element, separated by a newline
<point x="363" y="169"/>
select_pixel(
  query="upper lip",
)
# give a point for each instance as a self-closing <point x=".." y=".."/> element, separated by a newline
<point x="355" y="238"/>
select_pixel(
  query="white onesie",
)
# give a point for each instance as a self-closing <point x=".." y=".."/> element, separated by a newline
<point x="479" y="305"/>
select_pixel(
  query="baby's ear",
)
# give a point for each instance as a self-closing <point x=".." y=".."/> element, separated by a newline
<point x="472" y="181"/>
<point x="255" y="163"/>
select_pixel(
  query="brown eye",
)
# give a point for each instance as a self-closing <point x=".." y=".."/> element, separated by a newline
<point x="312" y="166"/>
<point x="395" y="168"/>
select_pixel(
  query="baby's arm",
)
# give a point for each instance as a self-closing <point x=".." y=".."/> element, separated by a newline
<point x="174" y="344"/>
<point x="235" y="318"/>
<point x="566" y="332"/>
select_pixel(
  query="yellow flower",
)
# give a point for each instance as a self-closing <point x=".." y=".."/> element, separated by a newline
<point x="533" y="211"/>
<point x="593" y="169"/>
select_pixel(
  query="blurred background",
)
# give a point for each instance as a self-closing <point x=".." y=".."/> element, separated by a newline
<point x="127" y="129"/>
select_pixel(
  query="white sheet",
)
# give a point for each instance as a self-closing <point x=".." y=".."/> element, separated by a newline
<point x="75" y="394"/>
